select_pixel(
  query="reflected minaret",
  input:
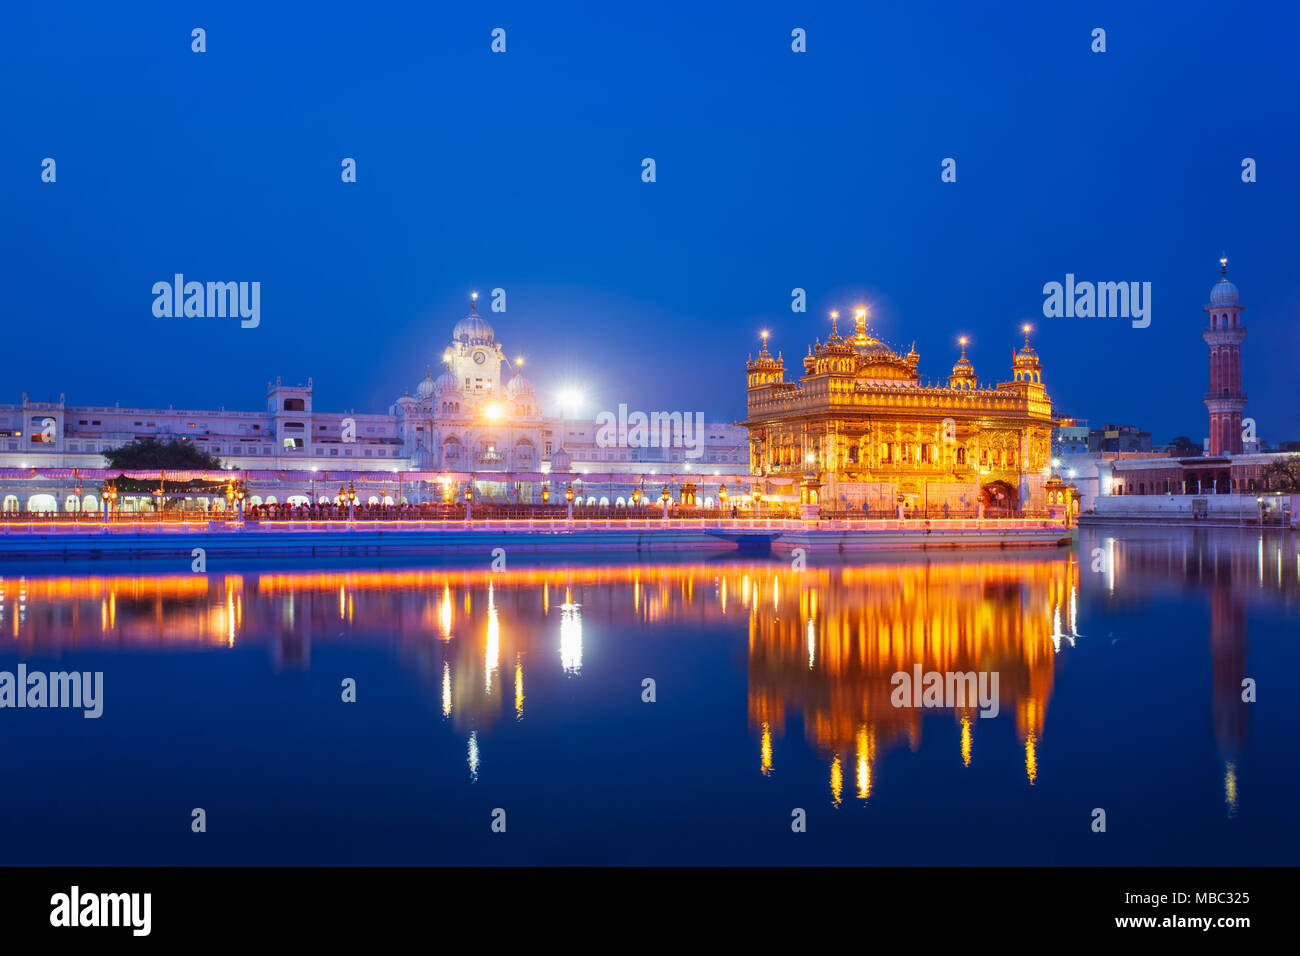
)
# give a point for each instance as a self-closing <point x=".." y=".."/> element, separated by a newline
<point x="1228" y="664"/>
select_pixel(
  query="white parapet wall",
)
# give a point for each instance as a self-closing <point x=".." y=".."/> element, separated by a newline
<point x="1243" y="509"/>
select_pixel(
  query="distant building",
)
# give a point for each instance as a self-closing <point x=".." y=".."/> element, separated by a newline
<point x="1070" y="437"/>
<point x="1119" y="438"/>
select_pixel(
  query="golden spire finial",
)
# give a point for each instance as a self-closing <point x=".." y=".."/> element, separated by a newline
<point x="473" y="301"/>
<point x="835" y="323"/>
<point x="962" y="341"/>
<point x="1223" y="265"/>
<point x="1027" y="328"/>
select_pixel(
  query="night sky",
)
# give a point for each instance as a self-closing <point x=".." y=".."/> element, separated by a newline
<point x="522" y="171"/>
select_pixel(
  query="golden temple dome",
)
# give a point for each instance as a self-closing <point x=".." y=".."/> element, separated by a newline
<point x="963" y="370"/>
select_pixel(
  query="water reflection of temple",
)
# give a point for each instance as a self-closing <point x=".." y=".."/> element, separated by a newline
<point x="824" y="640"/>
<point x="823" y="643"/>
<point x="829" y="642"/>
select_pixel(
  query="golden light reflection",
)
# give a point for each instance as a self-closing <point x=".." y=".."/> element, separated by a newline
<point x="837" y="782"/>
<point x="519" y="689"/>
<point x="765" y="750"/>
<point x="444" y="612"/>
<point x="820" y="644"/>
<point x="866" y="752"/>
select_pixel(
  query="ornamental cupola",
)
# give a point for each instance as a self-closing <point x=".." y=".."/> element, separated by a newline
<point x="963" y="372"/>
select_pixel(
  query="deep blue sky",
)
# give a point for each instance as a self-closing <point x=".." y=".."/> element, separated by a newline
<point x="522" y="170"/>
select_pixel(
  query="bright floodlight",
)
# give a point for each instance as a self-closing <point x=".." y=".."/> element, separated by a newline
<point x="492" y="411"/>
<point x="570" y="398"/>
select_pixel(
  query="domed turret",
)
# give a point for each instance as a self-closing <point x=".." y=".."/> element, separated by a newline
<point x="1025" y="366"/>
<point x="518" y="385"/>
<point x="425" y="389"/>
<point x="446" y="382"/>
<point x="963" y="371"/>
<point x="473" y="329"/>
<point x="1224" y="292"/>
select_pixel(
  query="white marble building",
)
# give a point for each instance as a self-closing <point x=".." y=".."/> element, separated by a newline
<point x="470" y="419"/>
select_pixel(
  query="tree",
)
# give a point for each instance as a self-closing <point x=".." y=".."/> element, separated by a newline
<point x="1283" y="474"/>
<point x="1184" y="447"/>
<point x="149" y="454"/>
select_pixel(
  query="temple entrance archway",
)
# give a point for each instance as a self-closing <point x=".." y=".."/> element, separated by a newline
<point x="999" y="496"/>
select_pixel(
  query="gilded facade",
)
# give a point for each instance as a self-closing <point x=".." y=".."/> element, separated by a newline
<point x="860" y="422"/>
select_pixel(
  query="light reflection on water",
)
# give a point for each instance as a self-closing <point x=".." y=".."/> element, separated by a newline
<point x="817" y="647"/>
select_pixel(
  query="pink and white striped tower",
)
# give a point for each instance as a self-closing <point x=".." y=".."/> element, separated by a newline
<point x="1225" y="399"/>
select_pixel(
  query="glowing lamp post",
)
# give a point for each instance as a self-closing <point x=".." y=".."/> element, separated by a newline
<point x="109" y="494"/>
<point x="446" y="494"/>
<point x="665" y="498"/>
<point x="568" y="497"/>
<point x="350" y="496"/>
<point x="546" y="495"/>
<point x="469" y="498"/>
<point x="636" y="497"/>
<point x="230" y="499"/>
<point x="722" y="498"/>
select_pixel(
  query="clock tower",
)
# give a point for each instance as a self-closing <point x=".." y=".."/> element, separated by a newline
<point x="474" y="358"/>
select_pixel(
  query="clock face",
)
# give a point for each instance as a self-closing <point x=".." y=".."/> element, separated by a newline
<point x="480" y="358"/>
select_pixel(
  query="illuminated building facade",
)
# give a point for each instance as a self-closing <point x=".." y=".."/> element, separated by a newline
<point x="860" y="422"/>
<point x="470" y="419"/>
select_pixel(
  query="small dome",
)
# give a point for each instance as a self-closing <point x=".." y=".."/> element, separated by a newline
<point x="1026" y="356"/>
<point x="519" y="386"/>
<point x="446" y="382"/>
<point x="473" y="329"/>
<point x="425" y="388"/>
<point x="963" y="366"/>
<point x="1223" y="293"/>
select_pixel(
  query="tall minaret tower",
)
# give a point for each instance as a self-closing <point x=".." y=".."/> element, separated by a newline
<point x="1223" y="335"/>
